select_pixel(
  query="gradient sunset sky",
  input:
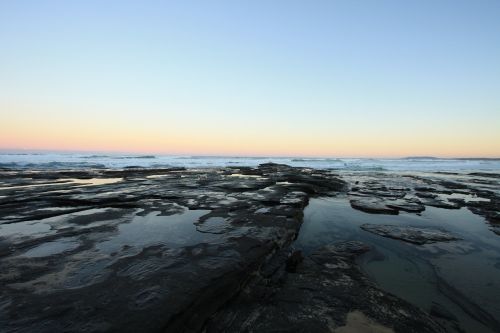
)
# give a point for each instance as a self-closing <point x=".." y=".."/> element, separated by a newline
<point x="315" y="78"/>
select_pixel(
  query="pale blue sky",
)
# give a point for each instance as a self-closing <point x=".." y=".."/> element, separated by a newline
<point x="319" y="75"/>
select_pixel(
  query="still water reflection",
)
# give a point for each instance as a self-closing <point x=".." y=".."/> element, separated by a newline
<point x="462" y="277"/>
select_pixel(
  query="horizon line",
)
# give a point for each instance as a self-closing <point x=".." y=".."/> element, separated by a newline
<point x="155" y="154"/>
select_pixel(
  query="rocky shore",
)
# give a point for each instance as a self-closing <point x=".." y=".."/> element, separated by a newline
<point x="192" y="250"/>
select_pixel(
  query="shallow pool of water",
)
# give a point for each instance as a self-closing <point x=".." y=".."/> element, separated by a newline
<point x="462" y="276"/>
<point x="51" y="248"/>
<point x="176" y="230"/>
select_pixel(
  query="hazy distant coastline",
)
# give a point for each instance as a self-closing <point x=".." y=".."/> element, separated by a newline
<point x="451" y="158"/>
<point x="90" y="154"/>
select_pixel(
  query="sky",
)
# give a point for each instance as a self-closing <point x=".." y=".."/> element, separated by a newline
<point x="269" y="78"/>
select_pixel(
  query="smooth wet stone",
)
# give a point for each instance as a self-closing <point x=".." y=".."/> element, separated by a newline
<point x="442" y="203"/>
<point x="415" y="235"/>
<point x="406" y="205"/>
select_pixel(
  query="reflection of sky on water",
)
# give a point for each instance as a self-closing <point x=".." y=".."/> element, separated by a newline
<point x="176" y="230"/>
<point x="471" y="265"/>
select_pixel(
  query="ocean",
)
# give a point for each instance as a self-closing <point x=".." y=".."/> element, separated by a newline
<point x="118" y="161"/>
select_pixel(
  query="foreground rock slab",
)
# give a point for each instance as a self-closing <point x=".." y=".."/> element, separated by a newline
<point x="326" y="292"/>
<point x="141" y="250"/>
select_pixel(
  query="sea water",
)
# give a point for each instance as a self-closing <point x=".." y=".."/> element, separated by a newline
<point x="87" y="160"/>
<point x="461" y="276"/>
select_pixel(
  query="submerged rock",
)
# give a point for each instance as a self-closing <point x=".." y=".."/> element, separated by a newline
<point x="373" y="205"/>
<point x="415" y="235"/>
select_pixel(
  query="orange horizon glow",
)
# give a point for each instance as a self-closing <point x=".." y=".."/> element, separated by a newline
<point x="83" y="134"/>
<point x="240" y="148"/>
<point x="55" y="130"/>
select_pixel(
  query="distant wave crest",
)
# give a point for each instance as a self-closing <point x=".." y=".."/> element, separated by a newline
<point x="121" y="157"/>
<point x="52" y="165"/>
<point x="134" y="157"/>
<point x="330" y="160"/>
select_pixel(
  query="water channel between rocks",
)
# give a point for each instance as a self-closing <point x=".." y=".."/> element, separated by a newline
<point x="459" y="278"/>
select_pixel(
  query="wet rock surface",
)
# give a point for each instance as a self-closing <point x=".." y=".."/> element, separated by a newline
<point x="182" y="250"/>
<point x="374" y="206"/>
<point x="408" y="234"/>
<point x="391" y="193"/>
<point x="325" y="293"/>
<point x="141" y="250"/>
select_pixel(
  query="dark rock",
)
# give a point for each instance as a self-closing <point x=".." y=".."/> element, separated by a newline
<point x="442" y="203"/>
<point x="485" y="174"/>
<point x="490" y="209"/>
<point x="292" y="261"/>
<point x="406" y="205"/>
<point x="426" y="195"/>
<point x="415" y="235"/>
<point x="151" y="250"/>
<point x="372" y="205"/>
<point x="164" y="249"/>
<point x="424" y="189"/>
<point x="327" y="292"/>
